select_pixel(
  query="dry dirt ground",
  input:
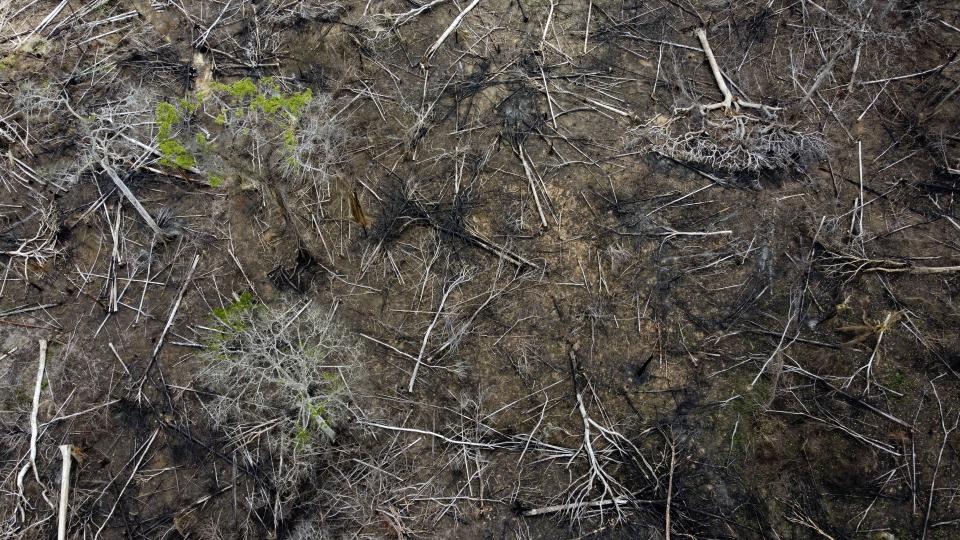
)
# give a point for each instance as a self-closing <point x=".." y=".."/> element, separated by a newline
<point x="497" y="269"/>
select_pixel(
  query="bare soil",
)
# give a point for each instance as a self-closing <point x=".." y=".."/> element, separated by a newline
<point x="612" y="339"/>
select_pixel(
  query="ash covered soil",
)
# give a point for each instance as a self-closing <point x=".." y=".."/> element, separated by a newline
<point x="488" y="269"/>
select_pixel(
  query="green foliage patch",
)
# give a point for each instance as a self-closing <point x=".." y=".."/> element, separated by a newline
<point x="263" y="100"/>
<point x="264" y="96"/>
<point x="172" y="152"/>
<point x="233" y="314"/>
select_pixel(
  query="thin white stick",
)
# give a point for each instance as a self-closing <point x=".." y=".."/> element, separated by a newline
<point x="34" y="433"/>
<point x="166" y="327"/>
<point x="64" y="491"/>
<point x="426" y="335"/>
<point x="870" y="106"/>
<point x="826" y="70"/>
<point x="902" y="77"/>
<point x="387" y="345"/>
<point x="656" y="78"/>
<point x="43" y="24"/>
<point x="446" y="33"/>
<point x="432" y="434"/>
<point x="661" y="207"/>
<point x="117" y="355"/>
<point x="546" y="25"/>
<point x="673" y="457"/>
<point x="34" y="425"/>
<point x="143" y="451"/>
<point x="203" y="39"/>
<point x="133" y="200"/>
<point x="546" y="88"/>
<point x="860" y="171"/>
<point x="400" y="19"/>
<point x="728" y="100"/>
<point x="715" y="68"/>
<point x="80" y="413"/>
<point x="176" y="305"/>
<point x="588" y="504"/>
<point x="533" y="187"/>
<point x="586" y="33"/>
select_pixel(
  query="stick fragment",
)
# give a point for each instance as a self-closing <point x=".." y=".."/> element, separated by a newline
<point x="446" y="33"/>
<point x="130" y="197"/>
<point x="166" y="327"/>
<point x="34" y="432"/>
<point x="426" y="335"/>
<point x="64" y="491"/>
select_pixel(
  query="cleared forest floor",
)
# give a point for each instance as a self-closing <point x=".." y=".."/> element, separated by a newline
<point x="488" y="269"/>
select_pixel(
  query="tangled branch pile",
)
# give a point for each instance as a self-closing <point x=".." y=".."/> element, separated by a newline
<point x="280" y="378"/>
<point x="734" y="140"/>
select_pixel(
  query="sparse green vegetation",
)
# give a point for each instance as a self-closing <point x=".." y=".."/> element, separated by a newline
<point x="172" y="152"/>
<point x="243" y="89"/>
<point x="234" y="313"/>
<point x="265" y="95"/>
<point x="166" y="117"/>
<point x="175" y="154"/>
<point x="291" y="127"/>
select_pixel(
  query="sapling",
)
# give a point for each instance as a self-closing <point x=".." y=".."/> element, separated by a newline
<point x="281" y="380"/>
